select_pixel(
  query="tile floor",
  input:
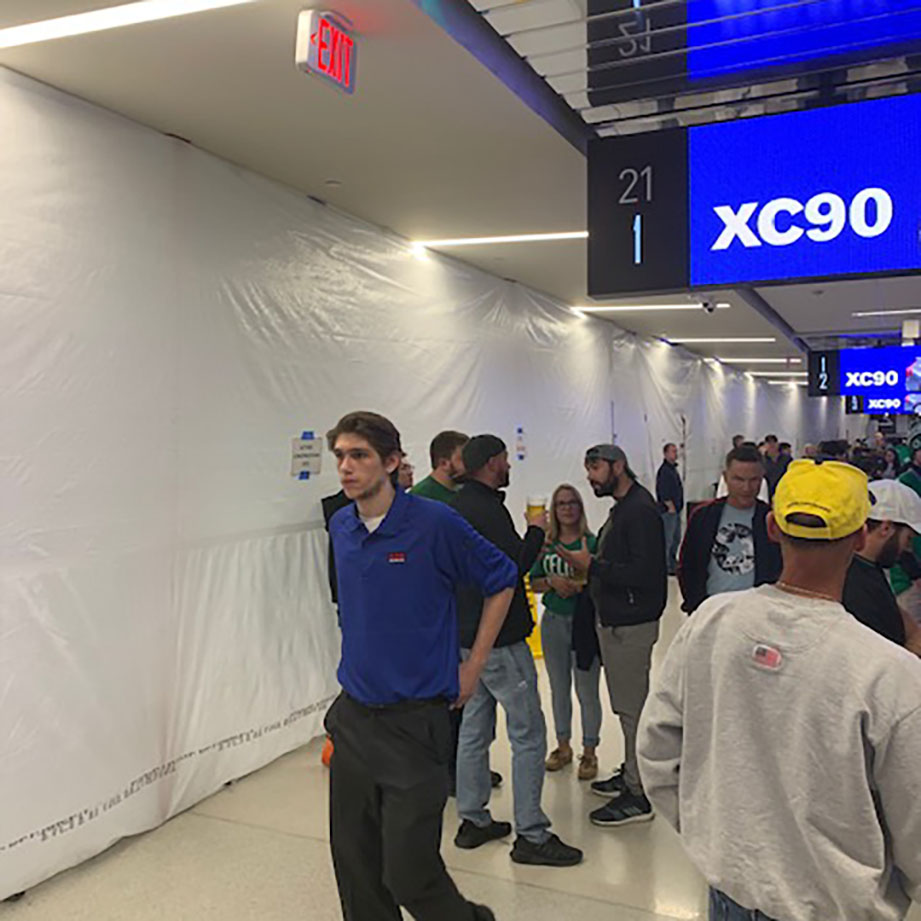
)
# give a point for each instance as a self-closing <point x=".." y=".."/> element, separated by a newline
<point x="259" y="850"/>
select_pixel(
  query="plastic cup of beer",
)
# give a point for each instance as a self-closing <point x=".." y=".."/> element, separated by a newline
<point x="537" y="505"/>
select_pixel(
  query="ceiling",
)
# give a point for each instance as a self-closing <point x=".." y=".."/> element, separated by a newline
<point x="432" y="145"/>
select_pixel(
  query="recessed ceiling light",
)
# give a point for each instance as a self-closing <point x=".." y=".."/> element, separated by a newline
<point x="761" y="361"/>
<point x="511" y="238"/>
<point x="112" y="17"/>
<point x="721" y="340"/>
<point x="332" y="183"/>
<point x="641" y="308"/>
<point x="886" y="313"/>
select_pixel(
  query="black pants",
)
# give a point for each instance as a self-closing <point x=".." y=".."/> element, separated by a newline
<point x="388" y="789"/>
<point x="456" y="718"/>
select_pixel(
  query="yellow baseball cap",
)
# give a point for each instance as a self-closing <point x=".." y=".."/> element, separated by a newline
<point x="836" y="493"/>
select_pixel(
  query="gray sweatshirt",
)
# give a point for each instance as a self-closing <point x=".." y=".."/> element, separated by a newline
<point x="782" y="739"/>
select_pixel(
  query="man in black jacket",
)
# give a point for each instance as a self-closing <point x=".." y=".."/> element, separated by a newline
<point x="726" y="547"/>
<point x="628" y="583"/>
<point x="670" y="496"/>
<point x="508" y="678"/>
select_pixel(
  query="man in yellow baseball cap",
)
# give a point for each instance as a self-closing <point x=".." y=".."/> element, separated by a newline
<point x="794" y="729"/>
<point x="821" y="502"/>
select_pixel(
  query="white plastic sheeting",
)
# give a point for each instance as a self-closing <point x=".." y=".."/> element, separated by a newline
<point x="168" y="323"/>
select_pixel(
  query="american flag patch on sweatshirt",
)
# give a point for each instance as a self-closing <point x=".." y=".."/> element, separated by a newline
<point x="396" y="558"/>
<point x="767" y="656"/>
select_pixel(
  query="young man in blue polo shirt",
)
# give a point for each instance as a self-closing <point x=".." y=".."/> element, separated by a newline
<point x="399" y="560"/>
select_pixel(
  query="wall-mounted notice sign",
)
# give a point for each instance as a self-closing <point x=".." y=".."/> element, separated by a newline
<point x="326" y="47"/>
<point x="306" y="456"/>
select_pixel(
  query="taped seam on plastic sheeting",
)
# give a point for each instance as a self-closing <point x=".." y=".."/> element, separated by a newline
<point x="85" y="816"/>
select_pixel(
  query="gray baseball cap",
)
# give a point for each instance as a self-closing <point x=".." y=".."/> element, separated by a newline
<point x="611" y="454"/>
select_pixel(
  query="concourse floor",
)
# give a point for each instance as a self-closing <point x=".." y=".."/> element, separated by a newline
<point x="259" y="850"/>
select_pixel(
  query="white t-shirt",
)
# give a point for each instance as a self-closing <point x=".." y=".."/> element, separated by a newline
<point x="372" y="524"/>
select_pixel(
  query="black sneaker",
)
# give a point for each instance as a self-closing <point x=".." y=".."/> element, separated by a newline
<point x="482" y="913"/>
<point x="616" y="786"/>
<point x="470" y="836"/>
<point x="552" y="853"/>
<point x="627" y="809"/>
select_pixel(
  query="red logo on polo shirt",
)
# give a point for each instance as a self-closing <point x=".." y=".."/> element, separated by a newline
<point x="396" y="558"/>
<point x="767" y="657"/>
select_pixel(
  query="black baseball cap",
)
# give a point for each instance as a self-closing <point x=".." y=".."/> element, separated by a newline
<point x="480" y="450"/>
<point x="611" y="454"/>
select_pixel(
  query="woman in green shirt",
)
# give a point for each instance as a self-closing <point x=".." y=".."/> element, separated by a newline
<point x="554" y="578"/>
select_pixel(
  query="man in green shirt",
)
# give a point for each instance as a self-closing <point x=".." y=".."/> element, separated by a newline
<point x="447" y="467"/>
<point x="901" y="579"/>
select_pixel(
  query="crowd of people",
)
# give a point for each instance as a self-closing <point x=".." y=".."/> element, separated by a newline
<point x="786" y="673"/>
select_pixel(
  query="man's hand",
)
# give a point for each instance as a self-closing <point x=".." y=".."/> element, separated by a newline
<point x="469" y="675"/>
<point x="670" y="506"/>
<point x="579" y="559"/>
<point x="565" y="588"/>
<point x="914" y="644"/>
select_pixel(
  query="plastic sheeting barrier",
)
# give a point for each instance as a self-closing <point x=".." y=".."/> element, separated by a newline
<point x="168" y="323"/>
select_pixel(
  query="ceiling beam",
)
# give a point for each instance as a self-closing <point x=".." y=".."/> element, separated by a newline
<point x="472" y="30"/>
<point x="757" y="303"/>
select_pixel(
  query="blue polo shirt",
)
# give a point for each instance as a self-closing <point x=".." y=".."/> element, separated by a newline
<point x="396" y="598"/>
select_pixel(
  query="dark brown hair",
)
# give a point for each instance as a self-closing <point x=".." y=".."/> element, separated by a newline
<point x="377" y="430"/>
<point x="744" y="454"/>
<point x="444" y="444"/>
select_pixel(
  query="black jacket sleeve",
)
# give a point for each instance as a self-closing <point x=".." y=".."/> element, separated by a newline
<point x="531" y="547"/>
<point x="662" y="487"/>
<point x="694" y="561"/>
<point x="645" y="552"/>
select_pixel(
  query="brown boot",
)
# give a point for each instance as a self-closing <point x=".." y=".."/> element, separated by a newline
<point x="558" y="760"/>
<point x="588" y="767"/>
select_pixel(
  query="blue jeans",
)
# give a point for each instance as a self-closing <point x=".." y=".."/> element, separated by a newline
<point x="556" y="636"/>
<point x="672" y="522"/>
<point x="510" y="679"/>
<point x="722" y="908"/>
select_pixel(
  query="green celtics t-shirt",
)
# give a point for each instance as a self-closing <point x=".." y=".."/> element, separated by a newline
<point x="552" y="564"/>
<point x="430" y="488"/>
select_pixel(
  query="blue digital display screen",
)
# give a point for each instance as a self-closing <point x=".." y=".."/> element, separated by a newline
<point x="889" y="379"/>
<point x="825" y="192"/>
<point x="786" y="33"/>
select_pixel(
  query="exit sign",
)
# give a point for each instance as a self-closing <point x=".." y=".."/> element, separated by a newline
<point x="326" y="47"/>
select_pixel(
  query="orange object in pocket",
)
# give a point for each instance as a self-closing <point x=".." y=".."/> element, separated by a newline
<point x="327" y="755"/>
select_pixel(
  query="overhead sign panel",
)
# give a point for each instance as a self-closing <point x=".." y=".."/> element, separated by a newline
<point x="326" y="48"/>
<point x="807" y="195"/>
<point x="643" y="47"/>
<point x="879" y="380"/>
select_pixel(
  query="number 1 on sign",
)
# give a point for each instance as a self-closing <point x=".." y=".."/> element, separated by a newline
<point x="638" y="239"/>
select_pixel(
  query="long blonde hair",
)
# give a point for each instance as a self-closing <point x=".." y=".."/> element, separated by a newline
<point x="555" y="521"/>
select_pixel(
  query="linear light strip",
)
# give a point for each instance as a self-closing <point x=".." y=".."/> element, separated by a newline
<point x="886" y="313"/>
<point x="639" y="308"/>
<point x="777" y="373"/>
<point x="510" y="238"/>
<point x="113" y="17"/>
<point x="761" y="361"/>
<point x="717" y="340"/>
